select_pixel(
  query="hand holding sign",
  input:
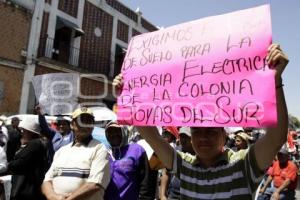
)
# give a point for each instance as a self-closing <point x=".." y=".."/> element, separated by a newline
<point x="277" y="58"/>
<point x="37" y="109"/>
<point x="118" y="83"/>
<point x="57" y="92"/>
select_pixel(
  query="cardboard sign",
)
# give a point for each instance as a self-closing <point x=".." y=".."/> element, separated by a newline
<point x="57" y="92"/>
<point x="210" y="72"/>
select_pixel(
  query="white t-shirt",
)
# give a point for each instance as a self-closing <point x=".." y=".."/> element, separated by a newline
<point x="75" y="165"/>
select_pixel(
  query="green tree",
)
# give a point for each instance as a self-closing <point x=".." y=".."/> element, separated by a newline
<point x="295" y="121"/>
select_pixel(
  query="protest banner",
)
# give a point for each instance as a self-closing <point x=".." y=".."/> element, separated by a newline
<point x="57" y="92"/>
<point x="210" y="72"/>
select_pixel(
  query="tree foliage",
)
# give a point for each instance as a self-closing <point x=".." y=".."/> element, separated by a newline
<point x="295" y="121"/>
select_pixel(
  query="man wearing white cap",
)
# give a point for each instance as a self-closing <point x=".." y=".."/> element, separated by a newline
<point x="80" y="170"/>
<point x="185" y="140"/>
<point x="283" y="173"/>
<point x="29" y="163"/>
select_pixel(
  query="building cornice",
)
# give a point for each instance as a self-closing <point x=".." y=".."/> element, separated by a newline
<point x="68" y="70"/>
<point x="12" y="64"/>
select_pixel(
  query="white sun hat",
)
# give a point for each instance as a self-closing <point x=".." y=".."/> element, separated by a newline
<point x="30" y="125"/>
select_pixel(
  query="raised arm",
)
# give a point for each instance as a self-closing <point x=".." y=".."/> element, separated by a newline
<point x="161" y="148"/>
<point x="266" y="148"/>
<point x="164" y="184"/>
<point x="45" y="130"/>
<point x="145" y="192"/>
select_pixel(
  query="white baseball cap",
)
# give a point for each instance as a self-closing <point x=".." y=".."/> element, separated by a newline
<point x="186" y="131"/>
<point x="81" y="111"/>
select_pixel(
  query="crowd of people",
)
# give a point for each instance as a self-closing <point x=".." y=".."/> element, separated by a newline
<point x="65" y="162"/>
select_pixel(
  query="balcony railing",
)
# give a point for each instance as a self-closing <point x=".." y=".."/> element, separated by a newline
<point x="58" y="50"/>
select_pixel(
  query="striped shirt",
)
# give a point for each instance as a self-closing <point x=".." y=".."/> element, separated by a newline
<point x="235" y="176"/>
<point x="75" y="165"/>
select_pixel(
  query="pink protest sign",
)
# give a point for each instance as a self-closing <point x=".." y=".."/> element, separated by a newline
<point x="210" y="72"/>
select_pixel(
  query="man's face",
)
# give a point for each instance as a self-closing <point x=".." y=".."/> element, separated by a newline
<point x="114" y="135"/>
<point x="63" y="127"/>
<point x="208" y="142"/>
<point x="240" y="143"/>
<point x="83" y="125"/>
<point x="282" y="158"/>
<point x="26" y="136"/>
<point x="186" y="143"/>
<point x="15" y="122"/>
<point x="167" y="136"/>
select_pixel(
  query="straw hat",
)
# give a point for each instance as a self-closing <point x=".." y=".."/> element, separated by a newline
<point x="244" y="136"/>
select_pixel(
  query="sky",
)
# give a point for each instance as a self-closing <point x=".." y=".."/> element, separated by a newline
<point x="285" y="28"/>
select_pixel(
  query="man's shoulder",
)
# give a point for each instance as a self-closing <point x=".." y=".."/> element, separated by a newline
<point x="136" y="146"/>
<point x="64" y="147"/>
<point x="13" y="133"/>
<point x="235" y="156"/>
<point x="136" y="150"/>
<point x="187" y="157"/>
<point x="96" y="144"/>
<point x="70" y="134"/>
<point x="292" y="165"/>
<point x="93" y="145"/>
<point x="35" y="142"/>
<point x="35" y="145"/>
